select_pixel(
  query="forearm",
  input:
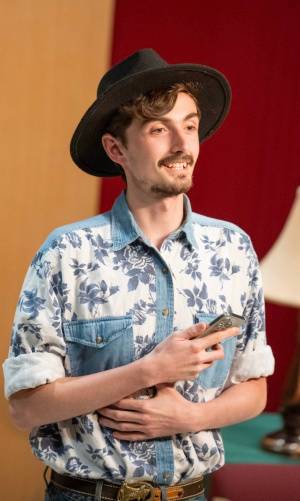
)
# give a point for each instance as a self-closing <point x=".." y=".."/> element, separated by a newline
<point x="178" y="357"/>
<point x="74" y="396"/>
<point x="169" y="413"/>
<point x="238" y="403"/>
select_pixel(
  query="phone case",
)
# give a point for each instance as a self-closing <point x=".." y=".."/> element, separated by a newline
<point x="224" y="322"/>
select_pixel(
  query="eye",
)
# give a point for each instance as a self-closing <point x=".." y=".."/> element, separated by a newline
<point x="158" y="130"/>
<point x="192" y="127"/>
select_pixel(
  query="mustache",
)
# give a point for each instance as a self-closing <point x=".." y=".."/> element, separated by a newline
<point x="172" y="159"/>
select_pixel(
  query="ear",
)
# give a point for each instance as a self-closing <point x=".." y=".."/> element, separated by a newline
<point x="113" y="148"/>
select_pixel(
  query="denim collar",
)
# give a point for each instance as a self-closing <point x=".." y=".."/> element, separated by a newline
<point x="125" y="229"/>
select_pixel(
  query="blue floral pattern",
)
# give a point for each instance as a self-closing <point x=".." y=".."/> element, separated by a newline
<point x="96" y="272"/>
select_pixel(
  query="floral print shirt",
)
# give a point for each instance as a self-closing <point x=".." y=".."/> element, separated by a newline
<point x="98" y="295"/>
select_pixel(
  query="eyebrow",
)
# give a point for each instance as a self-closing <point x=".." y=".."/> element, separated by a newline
<point x="194" y="114"/>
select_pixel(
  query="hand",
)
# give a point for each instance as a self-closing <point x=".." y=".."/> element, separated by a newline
<point x="160" y="416"/>
<point x="182" y="355"/>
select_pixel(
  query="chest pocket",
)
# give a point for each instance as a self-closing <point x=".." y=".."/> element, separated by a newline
<point x="215" y="375"/>
<point x="99" y="345"/>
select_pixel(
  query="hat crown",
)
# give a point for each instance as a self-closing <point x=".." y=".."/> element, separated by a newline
<point x="140" y="61"/>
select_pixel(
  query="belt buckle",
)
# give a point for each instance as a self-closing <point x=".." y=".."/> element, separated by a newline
<point x="138" y="491"/>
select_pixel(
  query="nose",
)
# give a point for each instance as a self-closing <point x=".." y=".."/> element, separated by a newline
<point x="178" y="141"/>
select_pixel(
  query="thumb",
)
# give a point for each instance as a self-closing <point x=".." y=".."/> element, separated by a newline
<point x="194" y="331"/>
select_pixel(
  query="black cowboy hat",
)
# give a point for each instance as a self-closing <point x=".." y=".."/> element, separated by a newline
<point x="140" y="73"/>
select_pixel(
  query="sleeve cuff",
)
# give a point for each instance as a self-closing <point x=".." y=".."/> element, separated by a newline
<point x="252" y="364"/>
<point x="31" y="370"/>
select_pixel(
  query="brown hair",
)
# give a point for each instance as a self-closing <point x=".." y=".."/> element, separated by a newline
<point x="148" y="106"/>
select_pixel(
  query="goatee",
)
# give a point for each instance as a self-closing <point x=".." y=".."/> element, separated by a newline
<point x="173" y="189"/>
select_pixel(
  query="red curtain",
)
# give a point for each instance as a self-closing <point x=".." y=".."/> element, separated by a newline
<point x="249" y="171"/>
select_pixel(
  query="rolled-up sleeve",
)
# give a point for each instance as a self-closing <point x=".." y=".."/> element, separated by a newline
<point x="253" y="357"/>
<point x="252" y="364"/>
<point x="37" y="350"/>
<point x="31" y="370"/>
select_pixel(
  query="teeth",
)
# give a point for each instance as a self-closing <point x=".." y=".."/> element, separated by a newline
<point x="177" y="166"/>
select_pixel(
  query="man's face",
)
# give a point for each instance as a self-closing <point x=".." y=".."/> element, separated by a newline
<point x="160" y="154"/>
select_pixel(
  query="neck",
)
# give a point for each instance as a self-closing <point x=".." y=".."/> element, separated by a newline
<point x="157" y="219"/>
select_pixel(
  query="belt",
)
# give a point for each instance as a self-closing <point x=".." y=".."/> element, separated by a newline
<point x="129" y="491"/>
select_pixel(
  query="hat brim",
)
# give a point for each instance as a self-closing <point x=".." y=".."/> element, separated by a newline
<point x="214" y="97"/>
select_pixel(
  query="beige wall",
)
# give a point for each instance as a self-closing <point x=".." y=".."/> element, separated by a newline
<point x="52" y="55"/>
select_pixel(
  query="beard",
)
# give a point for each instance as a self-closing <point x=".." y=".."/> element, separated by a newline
<point x="171" y="189"/>
<point x="180" y="184"/>
<point x="173" y="185"/>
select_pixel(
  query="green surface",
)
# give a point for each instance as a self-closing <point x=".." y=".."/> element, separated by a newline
<point x="242" y="441"/>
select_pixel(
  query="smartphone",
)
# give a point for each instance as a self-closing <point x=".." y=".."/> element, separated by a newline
<point x="223" y="322"/>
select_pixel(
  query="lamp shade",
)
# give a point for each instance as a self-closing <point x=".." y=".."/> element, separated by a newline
<point x="281" y="265"/>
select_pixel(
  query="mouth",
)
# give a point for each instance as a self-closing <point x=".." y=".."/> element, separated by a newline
<point x="176" y="166"/>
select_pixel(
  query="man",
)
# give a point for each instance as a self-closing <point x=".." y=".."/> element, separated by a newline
<point x="107" y="366"/>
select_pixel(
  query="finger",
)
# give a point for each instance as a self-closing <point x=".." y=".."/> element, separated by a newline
<point x="108" y="423"/>
<point x="194" y="331"/>
<point x="218" y="337"/>
<point x="130" y="404"/>
<point x="163" y="386"/>
<point x="212" y="355"/>
<point x="120" y="415"/>
<point x="123" y="426"/>
<point x="130" y="437"/>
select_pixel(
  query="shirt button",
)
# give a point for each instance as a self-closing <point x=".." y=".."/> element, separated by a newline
<point x="99" y="339"/>
<point x="165" y="270"/>
<point x="166" y="475"/>
<point x="165" y="312"/>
